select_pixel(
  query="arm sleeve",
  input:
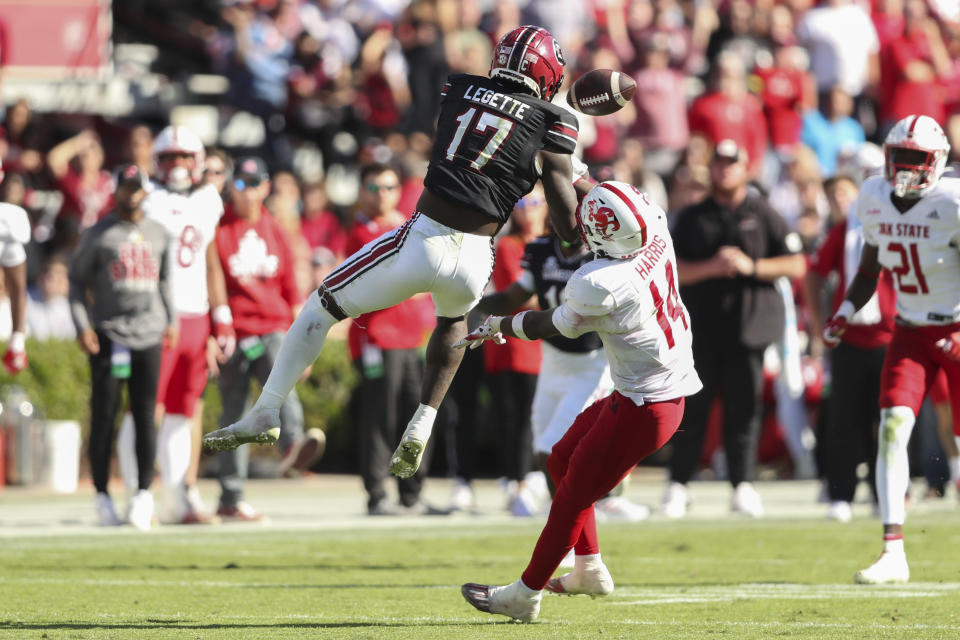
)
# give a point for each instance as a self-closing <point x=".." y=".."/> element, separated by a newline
<point x="586" y="303"/>
<point x="562" y="133"/>
<point x="81" y="270"/>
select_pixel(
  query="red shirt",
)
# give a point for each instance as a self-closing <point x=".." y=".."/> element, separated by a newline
<point x="717" y="117"/>
<point x="258" y="269"/>
<point x="403" y="326"/>
<point x="86" y="203"/>
<point x="901" y="97"/>
<point x="782" y="94"/>
<point x="325" y="230"/>
<point x="522" y="356"/>
<point x="830" y="257"/>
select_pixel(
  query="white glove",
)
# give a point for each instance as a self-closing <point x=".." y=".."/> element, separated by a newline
<point x="489" y="330"/>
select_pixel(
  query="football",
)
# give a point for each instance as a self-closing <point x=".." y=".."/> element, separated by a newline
<point x="601" y="92"/>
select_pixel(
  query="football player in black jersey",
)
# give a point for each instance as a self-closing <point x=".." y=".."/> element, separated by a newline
<point x="496" y="136"/>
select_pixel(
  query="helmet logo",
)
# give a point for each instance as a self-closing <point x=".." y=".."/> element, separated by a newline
<point x="558" y="53"/>
<point x="604" y="221"/>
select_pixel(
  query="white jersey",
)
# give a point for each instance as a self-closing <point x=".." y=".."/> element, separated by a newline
<point x="634" y="306"/>
<point x="920" y="247"/>
<point x="191" y="221"/>
<point x="14" y="233"/>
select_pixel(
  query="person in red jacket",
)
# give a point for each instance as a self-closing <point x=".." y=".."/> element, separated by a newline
<point x="384" y="346"/>
<point x="728" y="111"/>
<point x="261" y="292"/>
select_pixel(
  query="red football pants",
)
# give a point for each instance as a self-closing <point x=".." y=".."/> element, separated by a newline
<point x="603" y="445"/>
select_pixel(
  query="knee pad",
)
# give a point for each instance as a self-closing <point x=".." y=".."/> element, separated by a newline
<point x="896" y="423"/>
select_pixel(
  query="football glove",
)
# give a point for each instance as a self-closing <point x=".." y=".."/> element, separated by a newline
<point x="15" y="359"/>
<point x="837" y="324"/>
<point x="223" y="330"/>
<point x="951" y="346"/>
<point x="489" y="330"/>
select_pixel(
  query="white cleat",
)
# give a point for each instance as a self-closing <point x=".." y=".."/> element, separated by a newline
<point x="140" y="512"/>
<point x="890" y="567"/>
<point x="676" y="499"/>
<point x="106" y="514"/>
<point x="594" y="581"/>
<point x="510" y="600"/>
<point x="840" y="511"/>
<point x="620" y="509"/>
<point x="569" y="561"/>
<point x="747" y="501"/>
<point x="406" y="459"/>
<point x="260" y="426"/>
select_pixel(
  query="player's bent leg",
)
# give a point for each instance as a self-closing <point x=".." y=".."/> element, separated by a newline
<point x="589" y="577"/>
<point x="173" y="453"/>
<point x="441" y="364"/>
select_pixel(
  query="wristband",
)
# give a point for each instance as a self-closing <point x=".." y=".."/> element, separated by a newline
<point x="517" y="325"/>
<point x="846" y="310"/>
<point x="222" y="315"/>
<point x="18" y="342"/>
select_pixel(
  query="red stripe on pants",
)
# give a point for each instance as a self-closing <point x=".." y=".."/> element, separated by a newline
<point x="603" y="445"/>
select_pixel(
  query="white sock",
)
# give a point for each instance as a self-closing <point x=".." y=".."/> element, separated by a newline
<point x="954" y="464"/>
<point x="173" y="451"/>
<point x="894" y="545"/>
<point x="127" y="454"/>
<point x="300" y="348"/>
<point x="421" y="424"/>
<point x="524" y="590"/>
<point x="581" y="563"/>
<point x="893" y="465"/>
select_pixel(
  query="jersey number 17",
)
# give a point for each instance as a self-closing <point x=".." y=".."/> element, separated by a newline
<point x="483" y="121"/>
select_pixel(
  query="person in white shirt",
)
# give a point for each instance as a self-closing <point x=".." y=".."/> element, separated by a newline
<point x="628" y="295"/>
<point x="14" y="234"/>
<point x="911" y="226"/>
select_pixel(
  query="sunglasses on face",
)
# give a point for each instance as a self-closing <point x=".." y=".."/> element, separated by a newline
<point x="374" y="188"/>
<point x="245" y="183"/>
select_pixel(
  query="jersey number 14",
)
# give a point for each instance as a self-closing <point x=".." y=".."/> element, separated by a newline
<point x="668" y="310"/>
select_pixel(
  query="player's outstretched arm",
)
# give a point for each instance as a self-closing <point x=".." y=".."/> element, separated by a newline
<point x="526" y="325"/>
<point x="513" y="297"/>
<point x="557" y="178"/>
<point x="858" y="293"/>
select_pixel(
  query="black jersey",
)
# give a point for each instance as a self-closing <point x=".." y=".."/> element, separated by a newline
<point x="551" y="270"/>
<point x="488" y="137"/>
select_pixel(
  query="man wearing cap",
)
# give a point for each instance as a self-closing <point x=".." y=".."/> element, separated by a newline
<point x="731" y="247"/>
<point x="123" y="311"/>
<point x="260" y="290"/>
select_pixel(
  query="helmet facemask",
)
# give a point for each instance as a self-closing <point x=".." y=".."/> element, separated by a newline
<point x="911" y="171"/>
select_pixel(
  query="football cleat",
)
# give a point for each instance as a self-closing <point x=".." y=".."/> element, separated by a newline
<point x="594" y="581"/>
<point x="890" y="567"/>
<point x="106" y="514"/>
<point x="508" y="600"/>
<point x="304" y="452"/>
<point x="241" y="512"/>
<point x="140" y="512"/>
<point x="840" y="511"/>
<point x="406" y="459"/>
<point x="676" y="499"/>
<point x="746" y="500"/>
<point x="261" y="426"/>
<point x="619" y="508"/>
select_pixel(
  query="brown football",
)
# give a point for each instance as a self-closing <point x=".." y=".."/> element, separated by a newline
<point x="601" y="92"/>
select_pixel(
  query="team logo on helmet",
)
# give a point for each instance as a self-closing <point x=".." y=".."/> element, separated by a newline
<point x="604" y="221"/>
<point x="558" y="53"/>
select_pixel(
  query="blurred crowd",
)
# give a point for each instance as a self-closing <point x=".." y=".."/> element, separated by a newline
<point x="806" y="88"/>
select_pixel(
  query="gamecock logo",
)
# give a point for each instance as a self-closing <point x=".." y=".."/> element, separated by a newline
<point x="604" y="221"/>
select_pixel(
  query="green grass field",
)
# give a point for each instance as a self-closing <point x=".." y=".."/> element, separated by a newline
<point x="356" y="577"/>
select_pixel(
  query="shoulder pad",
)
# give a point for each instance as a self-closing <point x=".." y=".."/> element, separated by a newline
<point x="588" y="297"/>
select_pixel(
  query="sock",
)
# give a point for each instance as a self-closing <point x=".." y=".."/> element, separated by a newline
<point x="524" y="590"/>
<point x="581" y="563"/>
<point x="300" y="348"/>
<point x="421" y="424"/>
<point x="893" y="467"/>
<point x="173" y="451"/>
<point x="893" y="543"/>
<point x="127" y="454"/>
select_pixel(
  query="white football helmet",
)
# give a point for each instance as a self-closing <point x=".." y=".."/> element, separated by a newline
<point x="613" y="219"/>
<point x="179" y="139"/>
<point x="916" y="151"/>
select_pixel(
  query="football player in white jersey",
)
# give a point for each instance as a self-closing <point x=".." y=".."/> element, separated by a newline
<point x="911" y="226"/>
<point x="189" y="210"/>
<point x="628" y="295"/>
<point x="14" y="233"/>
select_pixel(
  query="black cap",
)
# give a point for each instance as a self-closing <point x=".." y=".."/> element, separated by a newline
<point x="130" y="173"/>
<point x="251" y="170"/>
<point x="729" y="150"/>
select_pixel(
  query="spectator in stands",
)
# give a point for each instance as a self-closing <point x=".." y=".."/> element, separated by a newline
<point x="843" y="46"/>
<point x="123" y="312"/>
<point x="383" y="92"/>
<point x="284" y="205"/>
<point x="320" y="226"/>
<point x="20" y="140"/>
<point x="630" y="166"/>
<point x="139" y="149"/>
<point x="782" y="86"/>
<point x="420" y="35"/>
<point x="512" y="367"/>
<point x="727" y="111"/>
<point x="833" y="131"/>
<point x="218" y="170"/>
<point x="77" y="165"/>
<point x="730" y="249"/>
<point x="48" y="307"/>
<point x="800" y="191"/>
<point x="384" y="346"/>
<point x="263" y="298"/>
<point x="661" y="124"/>
<point x="913" y="64"/>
